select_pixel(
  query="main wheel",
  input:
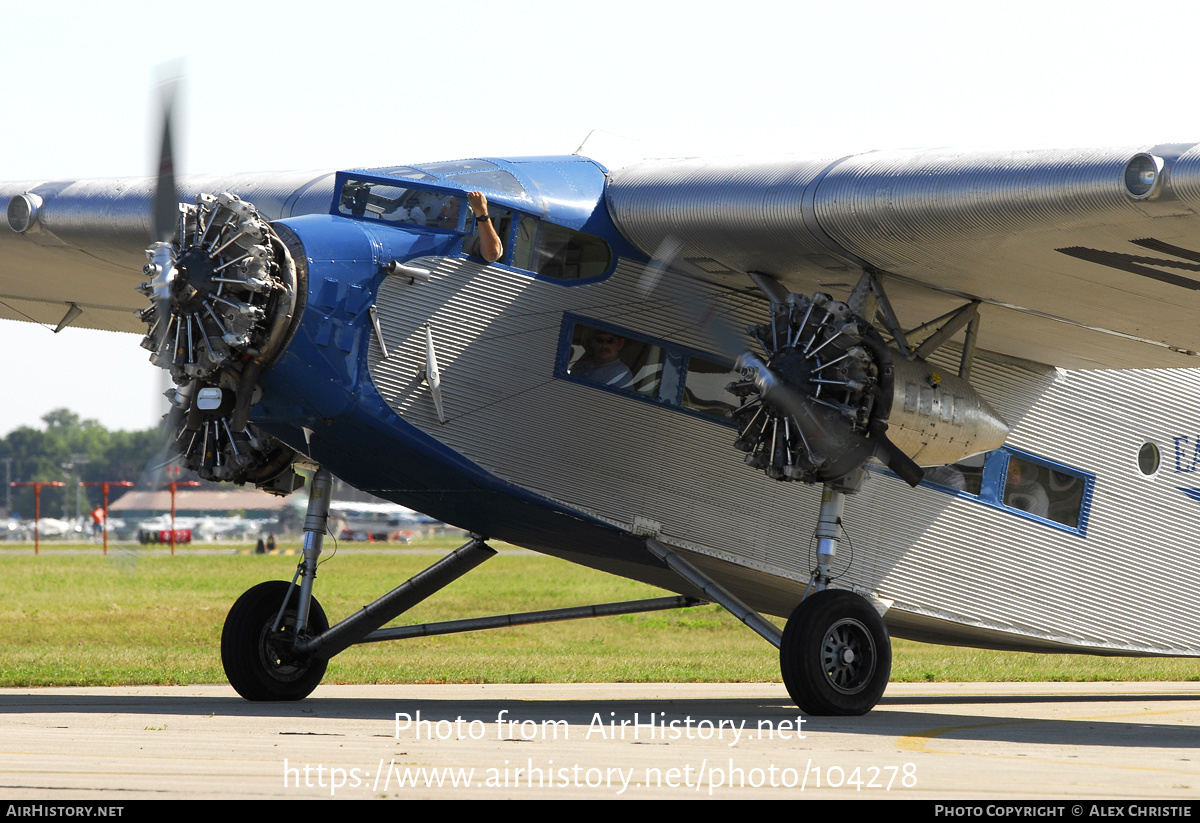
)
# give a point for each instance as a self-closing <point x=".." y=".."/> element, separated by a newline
<point x="836" y="655"/>
<point x="261" y="664"/>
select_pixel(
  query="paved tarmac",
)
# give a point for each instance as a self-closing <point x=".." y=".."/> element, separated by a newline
<point x="956" y="742"/>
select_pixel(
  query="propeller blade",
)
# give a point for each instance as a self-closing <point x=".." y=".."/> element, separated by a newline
<point x="781" y="394"/>
<point x="166" y="195"/>
<point x="703" y="313"/>
<point x="888" y="452"/>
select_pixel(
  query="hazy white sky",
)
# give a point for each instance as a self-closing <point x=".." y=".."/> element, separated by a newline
<point x="324" y="85"/>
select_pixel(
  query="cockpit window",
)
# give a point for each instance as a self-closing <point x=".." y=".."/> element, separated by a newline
<point x="403" y="171"/>
<point x="458" y="165"/>
<point x="501" y="219"/>
<point x="495" y="180"/>
<point x="559" y="252"/>
<point x="395" y="204"/>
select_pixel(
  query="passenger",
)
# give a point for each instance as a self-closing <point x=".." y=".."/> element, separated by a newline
<point x="604" y="366"/>
<point x="1023" y="491"/>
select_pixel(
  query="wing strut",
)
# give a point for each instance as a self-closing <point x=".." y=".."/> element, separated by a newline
<point x="869" y="298"/>
<point x="73" y="311"/>
<point x="719" y="594"/>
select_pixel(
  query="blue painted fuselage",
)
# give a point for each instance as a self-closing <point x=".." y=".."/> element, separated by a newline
<point x="322" y="382"/>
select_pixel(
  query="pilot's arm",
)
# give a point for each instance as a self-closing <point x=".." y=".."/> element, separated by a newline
<point x="490" y="247"/>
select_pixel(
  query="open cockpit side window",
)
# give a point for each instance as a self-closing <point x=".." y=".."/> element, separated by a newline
<point x="502" y="219"/>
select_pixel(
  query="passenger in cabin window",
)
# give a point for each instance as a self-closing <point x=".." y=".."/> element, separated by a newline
<point x="490" y="247"/>
<point x="1022" y="489"/>
<point x="604" y="366"/>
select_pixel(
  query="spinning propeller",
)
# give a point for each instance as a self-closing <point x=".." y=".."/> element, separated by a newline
<point x="223" y="295"/>
<point x="816" y="402"/>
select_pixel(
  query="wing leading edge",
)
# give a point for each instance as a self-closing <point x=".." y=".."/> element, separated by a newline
<point x="1071" y="266"/>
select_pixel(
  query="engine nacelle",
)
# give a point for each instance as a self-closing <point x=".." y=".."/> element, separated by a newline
<point x="831" y="394"/>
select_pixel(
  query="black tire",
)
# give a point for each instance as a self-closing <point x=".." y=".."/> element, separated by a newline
<point x="260" y="664"/>
<point x="813" y="654"/>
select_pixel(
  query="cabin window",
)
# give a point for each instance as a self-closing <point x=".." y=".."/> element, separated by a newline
<point x="704" y="388"/>
<point x="616" y="359"/>
<point x="1022" y="483"/>
<point x="1045" y="491"/>
<point x="1148" y="459"/>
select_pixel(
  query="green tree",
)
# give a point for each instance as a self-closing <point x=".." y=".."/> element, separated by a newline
<point x="70" y="450"/>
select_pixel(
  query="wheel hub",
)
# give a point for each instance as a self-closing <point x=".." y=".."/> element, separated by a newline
<point x="276" y="650"/>
<point x="848" y="655"/>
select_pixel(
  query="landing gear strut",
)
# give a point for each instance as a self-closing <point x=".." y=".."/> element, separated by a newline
<point x="277" y="641"/>
<point x="835" y="655"/>
<point x="263" y="644"/>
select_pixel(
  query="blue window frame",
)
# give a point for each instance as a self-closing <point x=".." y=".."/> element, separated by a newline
<point x="533" y="246"/>
<point x="1021" y="483"/>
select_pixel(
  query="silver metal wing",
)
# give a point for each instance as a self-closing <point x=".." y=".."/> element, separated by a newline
<point x="1085" y="258"/>
<point x="83" y="242"/>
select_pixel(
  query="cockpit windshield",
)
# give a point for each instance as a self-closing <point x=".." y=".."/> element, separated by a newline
<point x="397" y="204"/>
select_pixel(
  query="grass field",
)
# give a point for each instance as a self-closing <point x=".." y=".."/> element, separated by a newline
<point x="74" y="617"/>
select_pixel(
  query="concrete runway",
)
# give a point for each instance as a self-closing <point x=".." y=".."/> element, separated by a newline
<point x="946" y="741"/>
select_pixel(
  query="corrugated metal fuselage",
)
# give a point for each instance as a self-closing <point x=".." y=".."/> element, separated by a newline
<point x="529" y="454"/>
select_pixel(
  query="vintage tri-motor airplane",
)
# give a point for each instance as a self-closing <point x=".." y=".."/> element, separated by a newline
<point x="587" y="392"/>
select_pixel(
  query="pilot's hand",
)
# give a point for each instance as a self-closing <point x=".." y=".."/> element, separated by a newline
<point x="477" y="202"/>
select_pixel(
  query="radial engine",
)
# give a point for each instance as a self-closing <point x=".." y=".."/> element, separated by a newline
<point x="831" y="394"/>
<point x="225" y="298"/>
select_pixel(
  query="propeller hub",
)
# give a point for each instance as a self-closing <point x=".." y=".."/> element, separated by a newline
<point x="810" y="405"/>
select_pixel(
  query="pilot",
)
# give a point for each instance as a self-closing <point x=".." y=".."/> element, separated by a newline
<point x="487" y="244"/>
<point x="604" y="366"/>
<point x="448" y="215"/>
<point x="490" y="247"/>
